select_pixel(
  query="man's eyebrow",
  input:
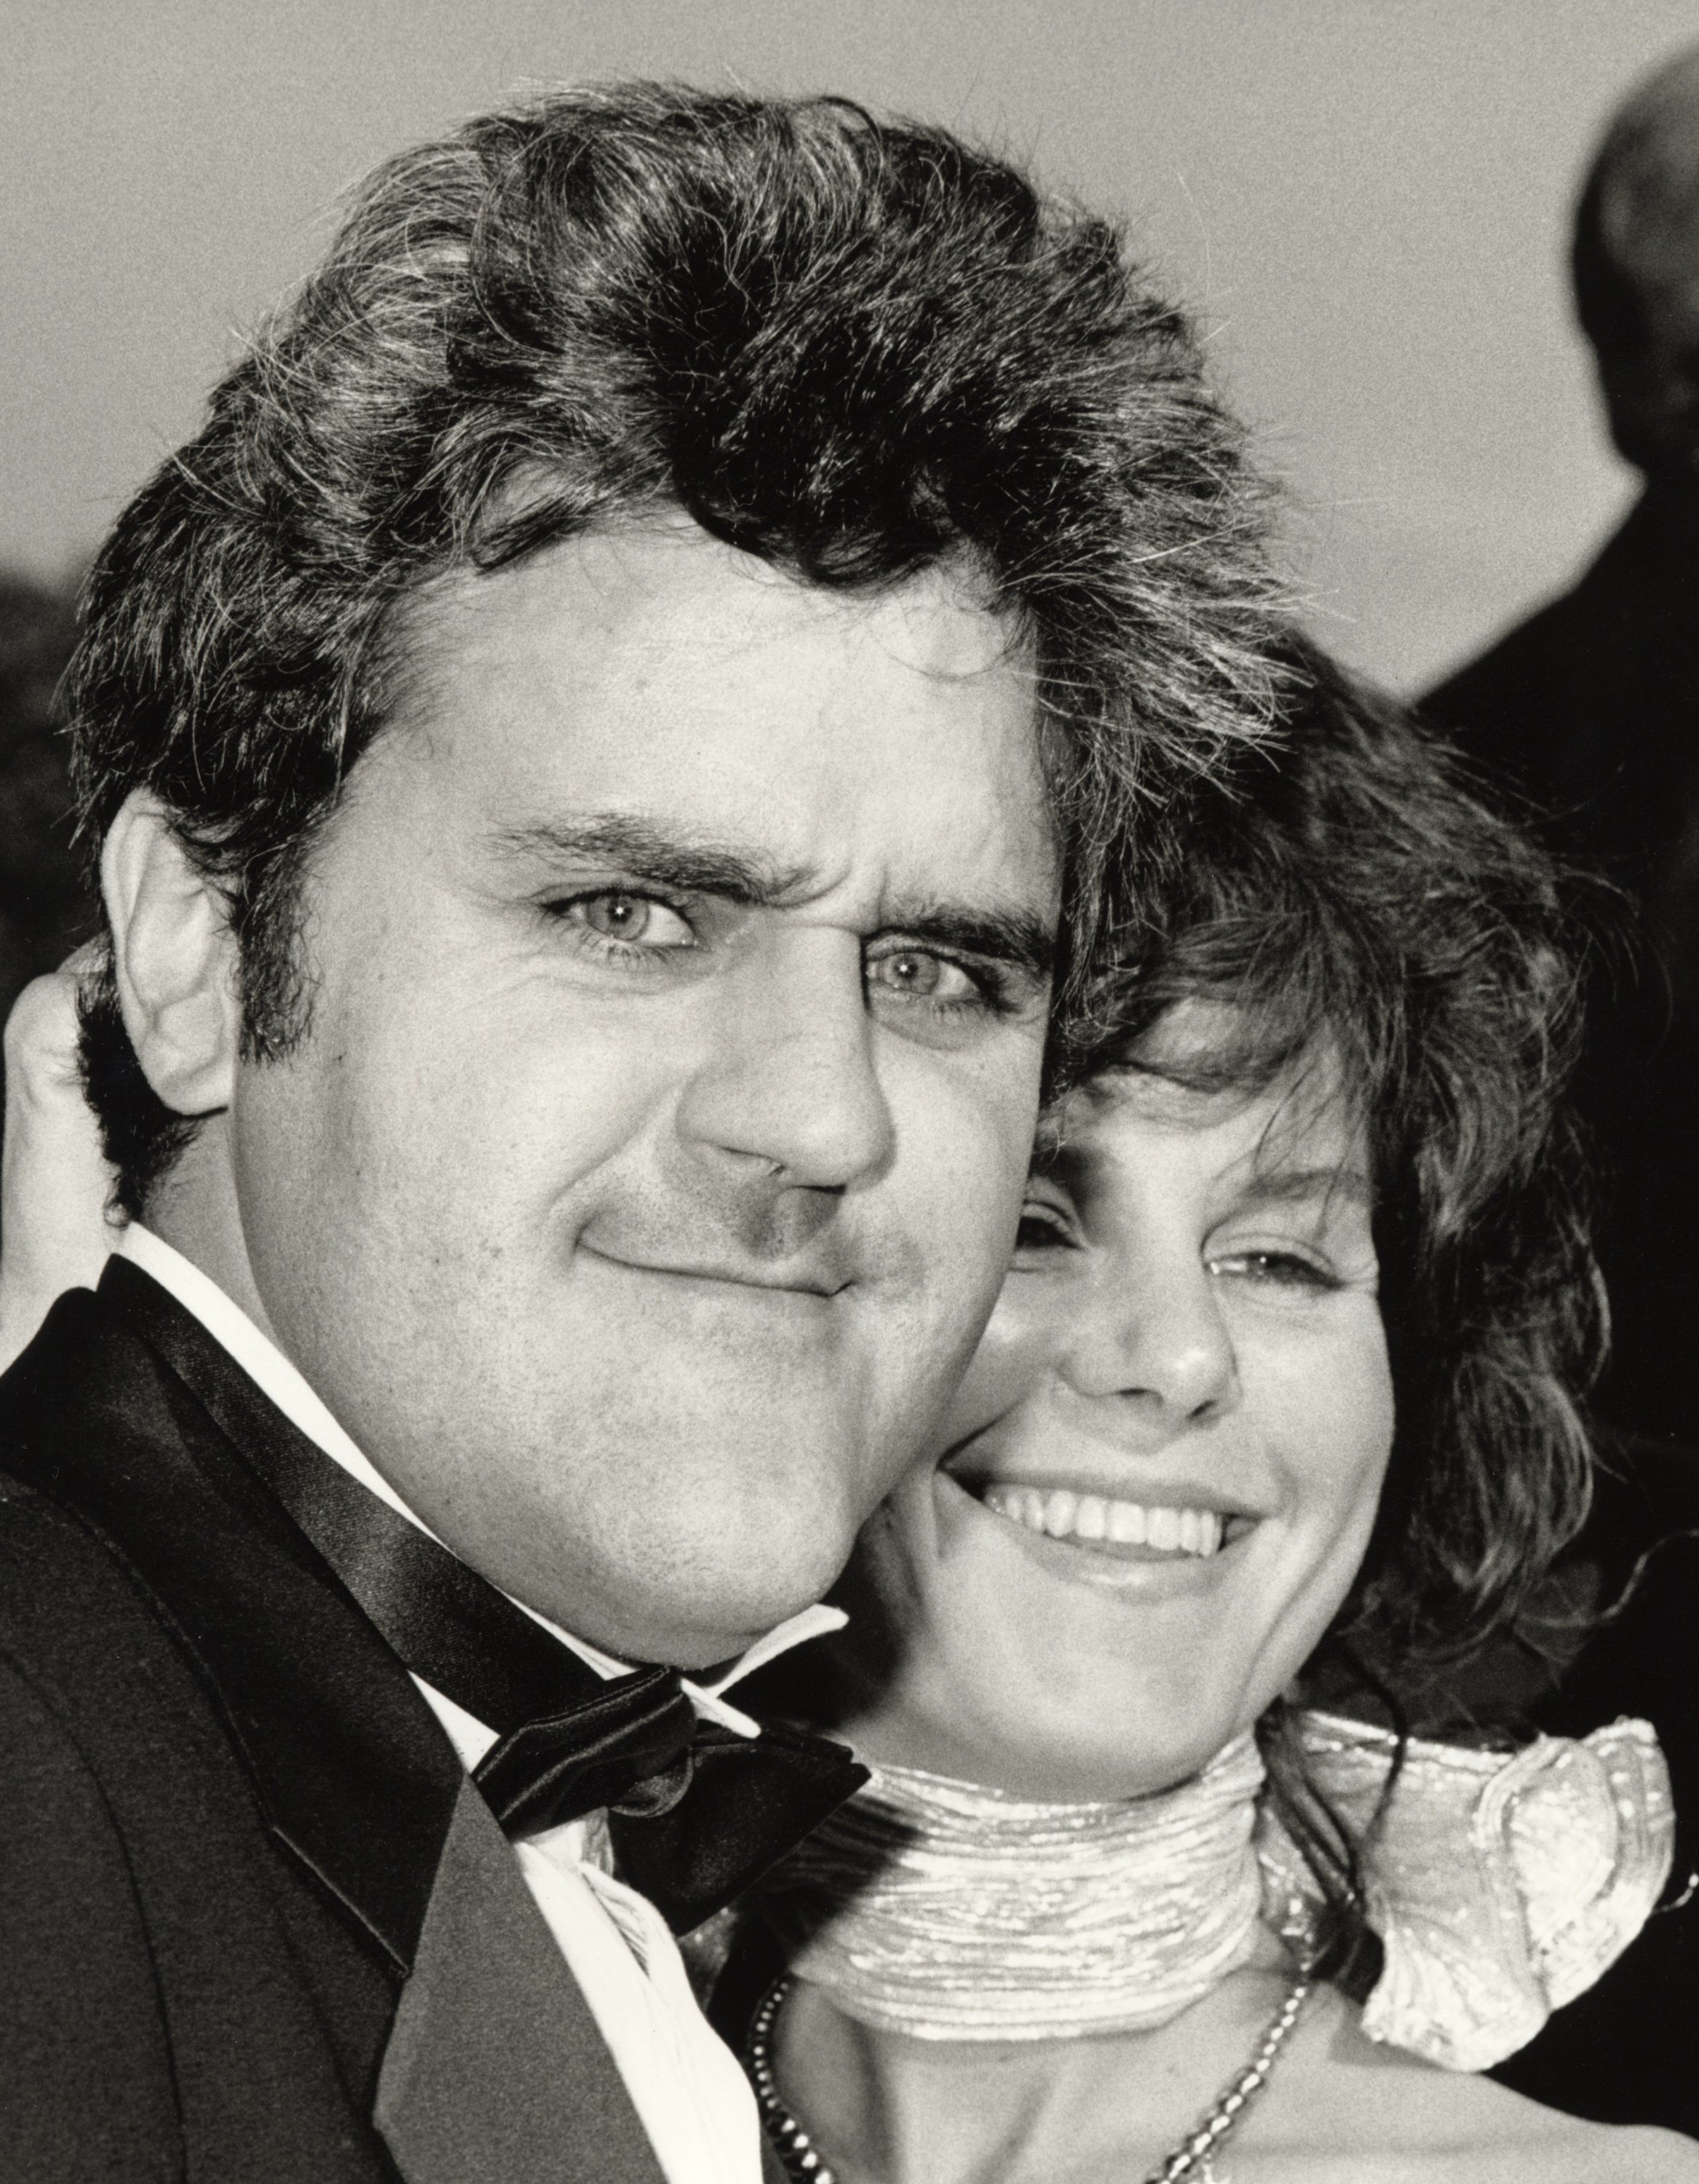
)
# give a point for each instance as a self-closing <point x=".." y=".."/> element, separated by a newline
<point x="698" y="864"/>
<point x="693" y="863"/>
<point x="1017" y="937"/>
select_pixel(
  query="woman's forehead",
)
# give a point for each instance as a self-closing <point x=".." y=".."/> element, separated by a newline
<point x="1306" y="1119"/>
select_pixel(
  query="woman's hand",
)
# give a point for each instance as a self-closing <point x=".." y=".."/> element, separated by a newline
<point x="54" y="1183"/>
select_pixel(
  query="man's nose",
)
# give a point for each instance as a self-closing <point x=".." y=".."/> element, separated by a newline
<point x="1154" y="1345"/>
<point x="789" y="1082"/>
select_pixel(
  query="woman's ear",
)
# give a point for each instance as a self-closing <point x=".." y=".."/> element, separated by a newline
<point x="174" y="958"/>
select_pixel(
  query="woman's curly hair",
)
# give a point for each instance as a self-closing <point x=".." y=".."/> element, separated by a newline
<point x="1350" y="891"/>
<point x="1351" y="888"/>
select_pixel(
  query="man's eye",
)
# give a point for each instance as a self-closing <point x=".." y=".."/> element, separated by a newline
<point x="917" y="974"/>
<point x="636" y="920"/>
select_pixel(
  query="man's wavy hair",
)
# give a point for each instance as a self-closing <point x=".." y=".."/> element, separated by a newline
<point x="853" y="347"/>
<point x="1350" y="892"/>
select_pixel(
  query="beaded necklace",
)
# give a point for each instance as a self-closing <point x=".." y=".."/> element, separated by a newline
<point x="1191" y="2159"/>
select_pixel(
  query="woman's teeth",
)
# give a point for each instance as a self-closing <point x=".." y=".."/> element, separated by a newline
<point x="1068" y="1516"/>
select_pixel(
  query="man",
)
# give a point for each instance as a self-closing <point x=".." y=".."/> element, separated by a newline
<point x="602" y="750"/>
<point x="1590" y="709"/>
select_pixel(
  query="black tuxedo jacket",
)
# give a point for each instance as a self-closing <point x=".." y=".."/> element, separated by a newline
<point x="255" y="1923"/>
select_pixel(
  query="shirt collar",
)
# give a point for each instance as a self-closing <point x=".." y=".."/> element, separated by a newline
<point x="271" y="1371"/>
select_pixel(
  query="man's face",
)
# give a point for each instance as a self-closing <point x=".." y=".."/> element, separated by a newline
<point x="655" y="1154"/>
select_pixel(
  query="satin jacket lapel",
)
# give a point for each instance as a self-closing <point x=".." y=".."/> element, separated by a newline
<point x="124" y="1409"/>
<point x="495" y="2067"/>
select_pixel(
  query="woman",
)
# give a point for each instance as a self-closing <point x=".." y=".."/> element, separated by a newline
<point x="1277" y="1390"/>
<point x="1276" y="1396"/>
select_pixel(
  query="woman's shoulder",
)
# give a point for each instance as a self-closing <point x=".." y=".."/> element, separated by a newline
<point x="1394" y="2119"/>
<point x="1521" y="2143"/>
<point x="1642" y="2155"/>
<point x="1590" y="2154"/>
<point x="1547" y="2147"/>
<point x="1580" y="2153"/>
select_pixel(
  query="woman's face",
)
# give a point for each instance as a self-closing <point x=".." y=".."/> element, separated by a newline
<point x="1159" y="1478"/>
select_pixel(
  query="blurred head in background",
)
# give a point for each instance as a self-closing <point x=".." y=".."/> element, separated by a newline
<point x="1636" y="269"/>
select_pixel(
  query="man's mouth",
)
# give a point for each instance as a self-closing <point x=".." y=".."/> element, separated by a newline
<point x="780" y="1281"/>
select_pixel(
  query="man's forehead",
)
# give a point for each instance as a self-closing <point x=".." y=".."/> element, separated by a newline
<point x="621" y="596"/>
<point x="794" y="730"/>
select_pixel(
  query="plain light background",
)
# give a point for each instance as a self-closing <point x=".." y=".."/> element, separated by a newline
<point x="1368" y="201"/>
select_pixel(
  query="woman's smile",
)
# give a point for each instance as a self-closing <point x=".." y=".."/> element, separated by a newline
<point x="1165" y="1550"/>
<point x="1127" y="1531"/>
<point x="1113" y="1517"/>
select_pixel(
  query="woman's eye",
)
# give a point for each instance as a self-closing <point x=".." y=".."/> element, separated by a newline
<point x="636" y="920"/>
<point x="1277" y="1269"/>
<point x="1042" y="1229"/>
<point x="917" y="974"/>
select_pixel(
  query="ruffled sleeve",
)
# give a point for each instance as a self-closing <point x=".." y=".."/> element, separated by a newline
<point x="1500" y="1886"/>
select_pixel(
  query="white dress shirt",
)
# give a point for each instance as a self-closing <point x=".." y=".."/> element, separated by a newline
<point x="691" y="2097"/>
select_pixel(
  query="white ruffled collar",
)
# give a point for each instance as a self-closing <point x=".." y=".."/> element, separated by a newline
<point x="1500" y="1886"/>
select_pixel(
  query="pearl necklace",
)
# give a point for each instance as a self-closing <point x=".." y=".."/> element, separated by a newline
<point x="1192" y="2159"/>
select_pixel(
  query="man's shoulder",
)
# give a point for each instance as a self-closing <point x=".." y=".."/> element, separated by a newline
<point x="168" y="1951"/>
<point x="87" y="2041"/>
<point x="79" y="1412"/>
<point x="122" y="1809"/>
<point x="176" y="1998"/>
<point x="102" y="1697"/>
<point x="70" y="1609"/>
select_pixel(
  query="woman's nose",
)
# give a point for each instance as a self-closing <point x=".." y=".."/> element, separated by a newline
<point x="1154" y="1339"/>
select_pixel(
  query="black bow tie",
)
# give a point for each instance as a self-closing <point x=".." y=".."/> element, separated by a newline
<point x="697" y="1813"/>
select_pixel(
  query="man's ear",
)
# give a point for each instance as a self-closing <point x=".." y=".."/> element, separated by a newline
<point x="175" y="957"/>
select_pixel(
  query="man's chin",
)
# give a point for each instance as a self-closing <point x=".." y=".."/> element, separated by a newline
<point x="696" y="1637"/>
<point x="696" y="1594"/>
<point x="765" y="1588"/>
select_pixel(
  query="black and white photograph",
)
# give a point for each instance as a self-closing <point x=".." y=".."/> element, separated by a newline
<point x="849" y="1210"/>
